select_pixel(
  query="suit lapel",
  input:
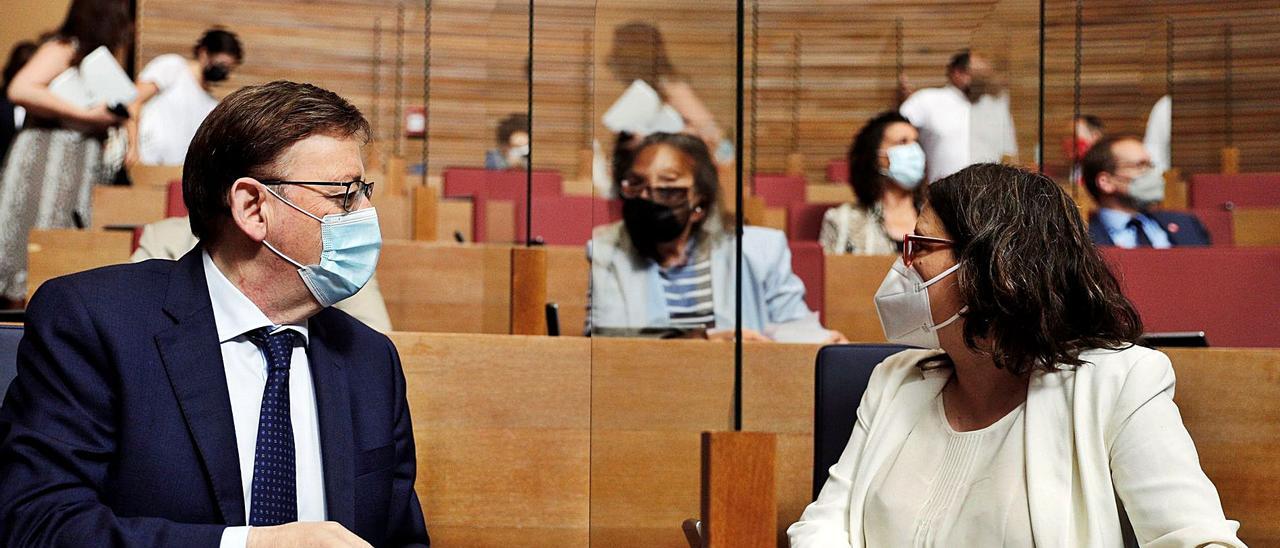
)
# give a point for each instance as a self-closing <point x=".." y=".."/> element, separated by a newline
<point x="193" y="362"/>
<point x="333" y="406"/>
<point x="1049" y="453"/>
<point x="1098" y="231"/>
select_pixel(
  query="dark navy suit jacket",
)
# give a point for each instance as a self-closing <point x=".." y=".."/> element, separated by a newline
<point x="118" y="430"/>
<point x="1184" y="229"/>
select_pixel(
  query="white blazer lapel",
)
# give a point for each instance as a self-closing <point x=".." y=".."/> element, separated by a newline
<point x="1050" y="454"/>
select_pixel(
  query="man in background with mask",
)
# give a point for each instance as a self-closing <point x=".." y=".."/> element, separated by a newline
<point x="1121" y="178"/>
<point x="964" y="122"/>
<point x="219" y="399"/>
<point x="513" y="144"/>
<point x="173" y="98"/>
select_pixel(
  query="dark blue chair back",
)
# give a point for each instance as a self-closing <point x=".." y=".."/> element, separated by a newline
<point x="840" y="378"/>
<point x="9" y="337"/>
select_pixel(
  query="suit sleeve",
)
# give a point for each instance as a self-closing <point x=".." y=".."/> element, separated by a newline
<point x="58" y="439"/>
<point x="783" y="290"/>
<point x="1156" y="470"/>
<point x="406" y="525"/>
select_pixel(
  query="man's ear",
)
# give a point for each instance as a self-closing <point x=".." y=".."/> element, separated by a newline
<point x="1107" y="183"/>
<point x="247" y="198"/>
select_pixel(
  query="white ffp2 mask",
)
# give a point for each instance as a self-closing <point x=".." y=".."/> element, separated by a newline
<point x="903" y="305"/>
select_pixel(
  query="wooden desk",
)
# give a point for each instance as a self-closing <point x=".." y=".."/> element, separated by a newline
<point x="849" y="293"/>
<point x="58" y="252"/>
<point x="131" y="206"/>
<point x="541" y="441"/>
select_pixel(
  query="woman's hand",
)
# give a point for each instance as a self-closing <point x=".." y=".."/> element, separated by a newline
<point x="748" y="335"/>
<point x="100" y="117"/>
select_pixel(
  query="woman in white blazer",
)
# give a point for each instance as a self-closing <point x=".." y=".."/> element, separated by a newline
<point x="1028" y="417"/>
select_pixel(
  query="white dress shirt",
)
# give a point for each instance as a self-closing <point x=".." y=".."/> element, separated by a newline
<point x="246" y="369"/>
<point x="956" y="133"/>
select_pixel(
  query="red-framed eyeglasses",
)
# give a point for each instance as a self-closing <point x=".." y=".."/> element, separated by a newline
<point x="912" y="243"/>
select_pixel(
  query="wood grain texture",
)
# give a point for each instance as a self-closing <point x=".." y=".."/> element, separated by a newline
<point x="1256" y="226"/>
<point x="445" y="287"/>
<point x="58" y="252"/>
<point x="528" y="291"/>
<point x="502" y="430"/>
<point x="851" y="282"/>
<point x="738" y="508"/>
<point x="568" y="276"/>
<point x="127" y="206"/>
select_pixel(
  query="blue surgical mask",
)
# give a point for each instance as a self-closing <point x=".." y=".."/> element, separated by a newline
<point x="906" y="165"/>
<point x="350" y="244"/>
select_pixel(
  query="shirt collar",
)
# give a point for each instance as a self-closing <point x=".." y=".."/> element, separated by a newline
<point x="233" y="313"/>
<point x="1114" y="219"/>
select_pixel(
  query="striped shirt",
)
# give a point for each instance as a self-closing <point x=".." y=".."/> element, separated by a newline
<point x="688" y="290"/>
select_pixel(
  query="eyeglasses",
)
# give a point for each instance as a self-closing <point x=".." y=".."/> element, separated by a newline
<point x="912" y="243"/>
<point x="352" y="190"/>
<point x="666" y="195"/>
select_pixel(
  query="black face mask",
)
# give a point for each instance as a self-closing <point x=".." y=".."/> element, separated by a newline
<point x="216" y="73"/>
<point x="649" y="223"/>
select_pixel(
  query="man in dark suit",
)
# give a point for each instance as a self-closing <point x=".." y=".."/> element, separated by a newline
<point x="217" y="399"/>
<point x="1120" y="176"/>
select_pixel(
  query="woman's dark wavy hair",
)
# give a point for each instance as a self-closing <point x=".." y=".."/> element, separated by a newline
<point x="864" y="157"/>
<point x="1037" y="289"/>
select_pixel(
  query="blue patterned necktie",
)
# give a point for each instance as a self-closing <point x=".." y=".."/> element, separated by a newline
<point x="274" y="496"/>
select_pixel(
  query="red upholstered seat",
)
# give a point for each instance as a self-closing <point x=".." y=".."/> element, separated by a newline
<point x="1232" y="294"/>
<point x="838" y="171"/>
<point x="174" y="206"/>
<point x="482" y="184"/>
<point x="808" y="262"/>
<point x="567" y="220"/>
<point x="804" y="220"/>
<point x="1241" y="190"/>
<point x="779" y="190"/>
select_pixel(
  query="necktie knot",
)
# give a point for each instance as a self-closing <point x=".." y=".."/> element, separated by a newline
<point x="277" y="347"/>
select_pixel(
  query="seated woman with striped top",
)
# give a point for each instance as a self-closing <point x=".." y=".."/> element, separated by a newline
<point x="671" y="263"/>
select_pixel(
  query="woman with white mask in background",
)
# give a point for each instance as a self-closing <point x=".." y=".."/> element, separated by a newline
<point x="886" y="169"/>
<point x="1029" y="411"/>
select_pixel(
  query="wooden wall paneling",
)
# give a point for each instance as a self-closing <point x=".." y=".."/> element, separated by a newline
<point x="455" y="217"/>
<point x="445" y="287"/>
<point x="528" y="291"/>
<point x="650" y="402"/>
<point x="851" y="284"/>
<point x="502" y="426"/>
<point x="60" y="251"/>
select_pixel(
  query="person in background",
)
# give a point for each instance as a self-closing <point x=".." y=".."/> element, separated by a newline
<point x="886" y="171"/>
<point x="1027" y="410"/>
<point x="670" y="261"/>
<point x="1159" y="135"/>
<point x="172" y="238"/>
<point x="57" y="157"/>
<point x="11" y="115"/>
<point x="173" y="98"/>
<point x="1125" y="183"/>
<point x="639" y="54"/>
<point x="964" y="122"/>
<point x="220" y="400"/>
<point x="513" y="144"/>
<point x="1085" y="131"/>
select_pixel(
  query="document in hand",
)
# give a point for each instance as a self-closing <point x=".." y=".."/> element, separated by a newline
<point x="98" y="80"/>
<point x="640" y="111"/>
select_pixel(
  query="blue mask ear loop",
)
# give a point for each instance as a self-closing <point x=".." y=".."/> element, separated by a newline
<point x="303" y="211"/>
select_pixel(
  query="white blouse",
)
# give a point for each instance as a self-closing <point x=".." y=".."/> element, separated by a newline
<point x="948" y="488"/>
